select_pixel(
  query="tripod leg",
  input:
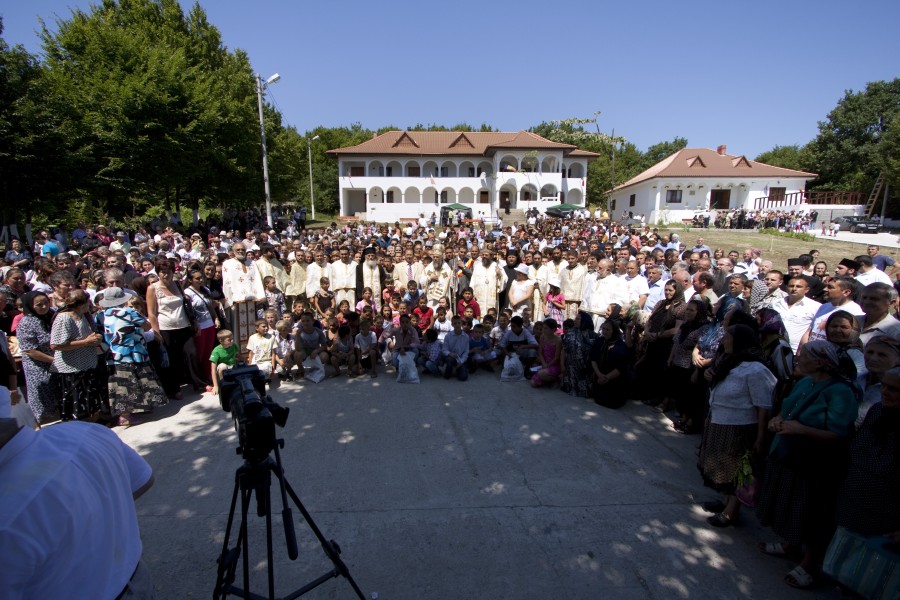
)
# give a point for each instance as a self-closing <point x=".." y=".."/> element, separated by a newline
<point x="228" y="558"/>
<point x="245" y="508"/>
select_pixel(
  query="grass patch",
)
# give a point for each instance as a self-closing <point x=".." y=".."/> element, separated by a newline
<point x="793" y="235"/>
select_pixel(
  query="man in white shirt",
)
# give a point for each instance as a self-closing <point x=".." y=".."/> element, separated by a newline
<point x="797" y="311"/>
<point x="869" y="273"/>
<point x="68" y="525"/>
<point x="838" y="292"/>
<point x="655" y="286"/>
<point x="638" y="289"/>
<point x="343" y="278"/>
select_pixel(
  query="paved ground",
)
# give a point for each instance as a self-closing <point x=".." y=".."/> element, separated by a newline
<point x="446" y="490"/>
<point x="883" y="239"/>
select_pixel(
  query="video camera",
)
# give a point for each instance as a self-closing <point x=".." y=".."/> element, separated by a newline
<point x="242" y="392"/>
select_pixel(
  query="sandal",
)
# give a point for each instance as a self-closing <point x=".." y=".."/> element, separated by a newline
<point x="713" y="506"/>
<point x="128" y="421"/>
<point x="775" y="549"/>
<point x="799" y="578"/>
<point x="721" y="520"/>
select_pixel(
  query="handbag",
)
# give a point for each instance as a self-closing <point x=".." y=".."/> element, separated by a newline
<point x="868" y="566"/>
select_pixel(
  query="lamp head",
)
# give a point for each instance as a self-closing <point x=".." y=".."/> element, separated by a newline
<point x="315" y="138"/>
<point x="273" y="79"/>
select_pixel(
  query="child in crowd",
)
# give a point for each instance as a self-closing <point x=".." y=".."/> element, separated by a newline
<point x="468" y="301"/>
<point x="401" y="312"/>
<point x="274" y="298"/>
<point x="366" y="344"/>
<point x="442" y="324"/>
<point x="385" y="320"/>
<point x="395" y="304"/>
<point x="431" y="353"/>
<point x="261" y="349"/>
<point x="367" y="300"/>
<point x="285" y="356"/>
<point x="343" y="311"/>
<point x="425" y="314"/>
<point x="324" y="297"/>
<point x="555" y="302"/>
<point x="411" y="297"/>
<point x="518" y="340"/>
<point x="445" y="304"/>
<point x="498" y="331"/>
<point x="469" y="315"/>
<point x="271" y="317"/>
<point x="405" y="340"/>
<point x="480" y="352"/>
<point x="331" y="329"/>
<point x="342" y="352"/>
<point x="300" y="307"/>
<point x="549" y="355"/>
<point x="310" y="342"/>
<point x="223" y="357"/>
<point x="455" y="352"/>
<point x="387" y="293"/>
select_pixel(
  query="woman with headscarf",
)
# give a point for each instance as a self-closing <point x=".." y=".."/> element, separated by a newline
<point x="33" y="334"/>
<point x="688" y="399"/>
<point x="842" y="329"/>
<point x="804" y="467"/>
<point x="740" y="398"/>
<point x="609" y="362"/>
<point x="575" y="358"/>
<point x="662" y="325"/>
<point x="75" y="347"/>
<point x="758" y="291"/>
<point x="868" y="513"/>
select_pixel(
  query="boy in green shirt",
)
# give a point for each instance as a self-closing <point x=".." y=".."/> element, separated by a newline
<point x="223" y="357"/>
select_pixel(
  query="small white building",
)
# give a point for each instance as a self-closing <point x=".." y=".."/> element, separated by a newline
<point x="700" y="179"/>
<point x="404" y="174"/>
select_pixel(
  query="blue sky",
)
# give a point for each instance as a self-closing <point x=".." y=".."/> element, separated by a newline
<point x="749" y="75"/>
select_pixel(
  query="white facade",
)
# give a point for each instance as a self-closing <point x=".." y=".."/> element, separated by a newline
<point x="656" y="198"/>
<point x="390" y="187"/>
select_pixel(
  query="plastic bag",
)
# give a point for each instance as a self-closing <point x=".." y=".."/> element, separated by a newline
<point x="21" y="412"/>
<point x="314" y="370"/>
<point x="512" y="369"/>
<point x="406" y="369"/>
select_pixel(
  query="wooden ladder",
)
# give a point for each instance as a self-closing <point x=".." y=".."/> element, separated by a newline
<point x="873" y="197"/>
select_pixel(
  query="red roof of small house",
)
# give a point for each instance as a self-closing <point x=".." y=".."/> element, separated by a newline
<point x="703" y="162"/>
<point x="471" y="143"/>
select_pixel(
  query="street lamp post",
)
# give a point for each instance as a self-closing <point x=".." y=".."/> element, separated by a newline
<point x="312" y="199"/>
<point x="260" y="86"/>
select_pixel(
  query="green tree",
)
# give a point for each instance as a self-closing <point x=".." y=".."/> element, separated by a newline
<point x="847" y="153"/>
<point x="658" y="152"/>
<point x="794" y="157"/>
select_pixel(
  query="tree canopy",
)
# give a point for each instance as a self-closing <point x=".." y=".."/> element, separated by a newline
<point x="136" y="106"/>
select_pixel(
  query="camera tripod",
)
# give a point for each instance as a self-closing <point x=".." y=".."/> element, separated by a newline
<point x="256" y="477"/>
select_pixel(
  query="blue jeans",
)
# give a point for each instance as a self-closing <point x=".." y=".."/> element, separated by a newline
<point x="462" y="371"/>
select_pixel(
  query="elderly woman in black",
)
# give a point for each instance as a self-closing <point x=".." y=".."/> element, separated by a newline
<point x="803" y="469"/>
<point x="575" y="358"/>
<point x="37" y="357"/>
<point x="868" y="510"/>
<point x="662" y="325"/>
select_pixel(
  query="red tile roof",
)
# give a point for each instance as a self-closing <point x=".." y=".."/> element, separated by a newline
<point x="703" y="162"/>
<point x="471" y="143"/>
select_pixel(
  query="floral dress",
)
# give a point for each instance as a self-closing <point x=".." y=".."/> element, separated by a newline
<point x="577" y="379"/>
<point x="40" y="381"/>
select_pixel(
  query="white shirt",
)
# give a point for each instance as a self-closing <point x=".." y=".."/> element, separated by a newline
<point x="68" y="526"/>
<point x="657" y="291"/>
<point x="747" y="386"/>
<point x="873" y="275"/>
<point x="637" y="287"/>
<point x="796" y="318"/>
<point x="889" y="326"/>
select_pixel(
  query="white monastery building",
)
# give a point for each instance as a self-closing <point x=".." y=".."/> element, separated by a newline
<point x="700" y="179"/>
<point x="404" y="174"/>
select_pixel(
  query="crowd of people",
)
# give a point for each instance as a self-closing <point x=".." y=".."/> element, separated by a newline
<point x="789" y="375"/>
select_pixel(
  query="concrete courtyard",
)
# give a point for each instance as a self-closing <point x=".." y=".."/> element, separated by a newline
<point x="450" y="490"/>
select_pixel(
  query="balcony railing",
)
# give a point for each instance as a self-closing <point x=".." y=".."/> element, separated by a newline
<point x="781" y="201"/>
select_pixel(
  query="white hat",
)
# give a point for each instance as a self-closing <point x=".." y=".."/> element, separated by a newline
<point x="113" y="296"/>
<point x="523" y="269"/>
<point x="554" y="281"/>
<point x="291" y="256"/>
